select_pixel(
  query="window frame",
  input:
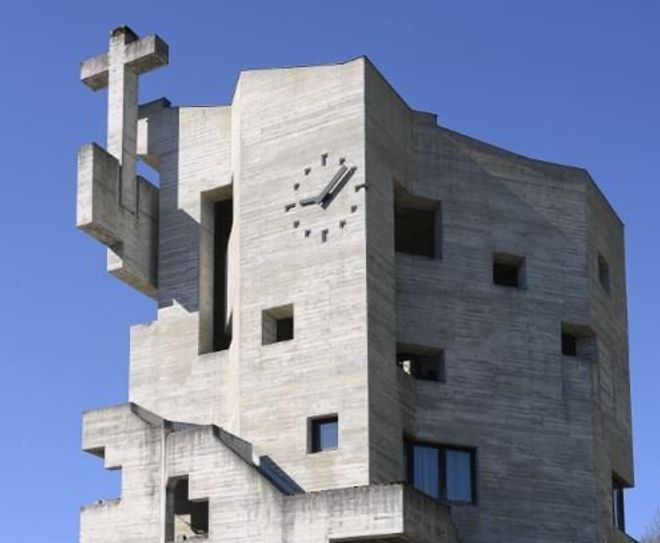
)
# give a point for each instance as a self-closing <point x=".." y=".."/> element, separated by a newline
<point x="314" y="434"/>
<point x="618" y="503"/>
<point x="442" y="449"/>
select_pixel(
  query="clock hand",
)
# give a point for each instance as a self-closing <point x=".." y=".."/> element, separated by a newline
<point x="331" y="184"/>
<point x="328" y="198"/>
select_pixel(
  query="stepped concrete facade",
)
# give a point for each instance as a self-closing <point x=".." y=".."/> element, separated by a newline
<point x="370" y="327"/>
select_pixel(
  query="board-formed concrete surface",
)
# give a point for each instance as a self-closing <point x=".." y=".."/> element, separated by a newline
<point x="311" y="163"/>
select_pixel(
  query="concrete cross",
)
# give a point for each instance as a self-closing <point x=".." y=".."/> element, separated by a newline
<point x="118" y="69"/>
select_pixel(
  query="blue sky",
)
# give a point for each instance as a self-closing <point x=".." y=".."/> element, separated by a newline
<point x="576" y="82"/>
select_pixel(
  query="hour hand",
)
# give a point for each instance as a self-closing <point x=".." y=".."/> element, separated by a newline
<point x="324" y="193"/>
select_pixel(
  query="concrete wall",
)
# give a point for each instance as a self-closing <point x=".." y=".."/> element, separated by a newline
<point x="545" y="450"/>
<point x="549" y="430"/>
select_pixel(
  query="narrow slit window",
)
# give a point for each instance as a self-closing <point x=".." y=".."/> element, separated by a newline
<point x="508" y="270"/>
<point x="277" y="324"/>
<point x="618" y="512"/>
<point x="568" y="344"/>
<point x="324" y="434"/>
<point x="223" y="218"/>
<point x="186" y="519"/>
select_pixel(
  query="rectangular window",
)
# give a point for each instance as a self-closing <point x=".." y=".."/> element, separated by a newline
<point x="277" y="324"/>
<point x="578" y="340"/>
<point x="417" y="225"/>
<point x="324" y="434"/>
<point x="443" y="472"/>
<point x="618" y="516"/>
<point x="423" y="364"/>
<point x="508" y="270"/>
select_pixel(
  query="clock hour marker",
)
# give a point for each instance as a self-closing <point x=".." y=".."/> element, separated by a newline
<point x="324" y="159"/>
<point x="308" y="171"/>
<point x="324" y="235"/>
<point x="289" y="207"/>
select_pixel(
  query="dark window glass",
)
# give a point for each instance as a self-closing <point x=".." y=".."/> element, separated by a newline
<point x="284" y="329"/>
<point x="325" y="434"/>
<point x="443" y="472"/>
<point x="426" y="466"/>
<point x="618" y="517"/>
<point x="568" y="344"/>
<point x="459" y="475"/>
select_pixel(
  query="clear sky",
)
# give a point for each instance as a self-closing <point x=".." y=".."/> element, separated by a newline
<point x="572" y="81"/>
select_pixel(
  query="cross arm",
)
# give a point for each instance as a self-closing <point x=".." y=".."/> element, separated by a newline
<point x="141" y="55"/>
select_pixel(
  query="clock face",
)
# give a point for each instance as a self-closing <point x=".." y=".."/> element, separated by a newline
<point x="323" y="198"/>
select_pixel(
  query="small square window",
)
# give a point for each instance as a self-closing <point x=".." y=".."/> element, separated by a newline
<point x="508" y="270"/>
<point x="578" y="340"/>
<point x="324" y="434"/>
<point x="426" y="365"/>
<point x="277" y="324"/>
<point x="604" y="273"/>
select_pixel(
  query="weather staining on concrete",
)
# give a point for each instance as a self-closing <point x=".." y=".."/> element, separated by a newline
<point x="370" y="327"/>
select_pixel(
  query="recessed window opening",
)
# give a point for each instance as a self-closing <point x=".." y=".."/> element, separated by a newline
<point x="277" y="324"/>
<point x="508" y="270"/>
<point x="618" y="510"/>
<point x="577" y="340"/>
<point x="186" y="520"/>
<point x="443" y="472"/>
<point x="323" y="433"/>
<point x="568" y="344"/>
<point x="604" y="273"/>
<point x="417" y="225"/>
<point x="420" y="363"/>
<point x="214" y="305"/>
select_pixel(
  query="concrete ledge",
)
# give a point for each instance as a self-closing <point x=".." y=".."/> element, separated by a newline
<point x="131" y="238"/>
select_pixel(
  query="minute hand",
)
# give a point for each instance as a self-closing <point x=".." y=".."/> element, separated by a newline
<point x="328" y="188"/>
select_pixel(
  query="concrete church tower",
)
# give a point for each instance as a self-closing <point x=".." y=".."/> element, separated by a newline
<point x="370" y="327"/>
